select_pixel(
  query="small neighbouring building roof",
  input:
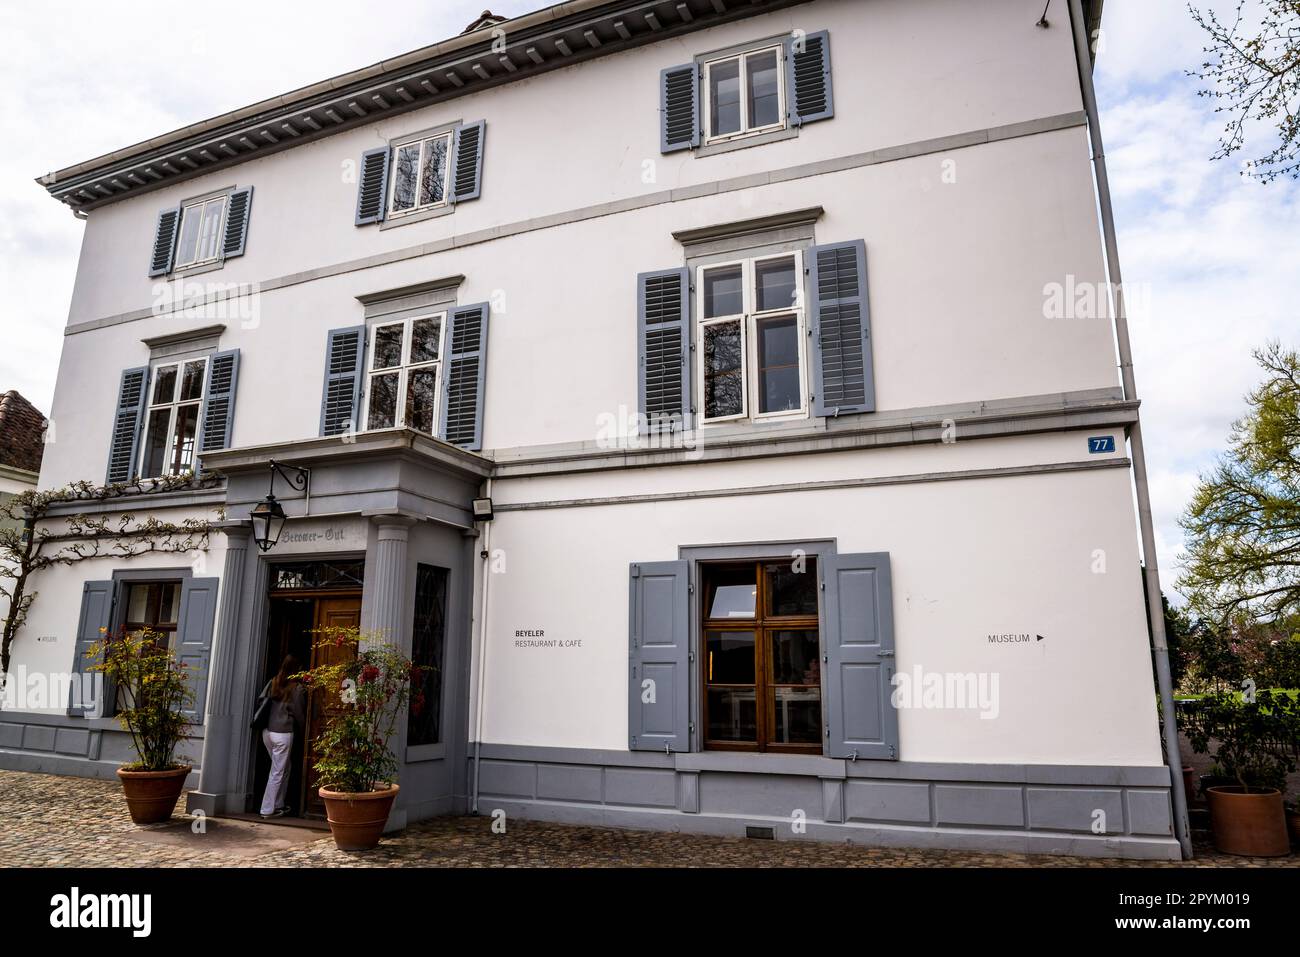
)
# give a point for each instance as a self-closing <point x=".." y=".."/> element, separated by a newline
<point x="22" y="433"/>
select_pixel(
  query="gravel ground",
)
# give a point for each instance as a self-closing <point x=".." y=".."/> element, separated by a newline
<point x="54" y="821"/>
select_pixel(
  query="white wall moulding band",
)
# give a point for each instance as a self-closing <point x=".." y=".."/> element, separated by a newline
<point x="964" y="140"/>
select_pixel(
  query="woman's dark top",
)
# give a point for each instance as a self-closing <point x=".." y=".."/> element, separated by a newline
<point x="289" y="713"/>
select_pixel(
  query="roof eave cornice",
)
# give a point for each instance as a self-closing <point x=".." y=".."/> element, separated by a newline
<point x="547" y="39"/>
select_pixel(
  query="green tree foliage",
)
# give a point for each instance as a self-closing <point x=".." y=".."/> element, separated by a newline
<point x="1252" y="74"/>
<point x="1243" y="523"/>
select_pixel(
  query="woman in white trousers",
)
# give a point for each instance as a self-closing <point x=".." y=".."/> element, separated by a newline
<point x="288" y="713"/>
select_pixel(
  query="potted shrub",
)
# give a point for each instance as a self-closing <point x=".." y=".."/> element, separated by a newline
<point x="151" y="689"/>
<point x="367" y="684"/>
<point x="1255" y="744"/>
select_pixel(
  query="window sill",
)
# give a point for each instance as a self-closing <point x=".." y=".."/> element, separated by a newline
<point x="755" y="762"/>
<point x="392" y="222"/>
<point x="742" y="142"/>
<point x="425" y="752"/>
<point x="187" y="271"/>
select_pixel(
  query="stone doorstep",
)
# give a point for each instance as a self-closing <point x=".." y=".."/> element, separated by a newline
<point x="245" y="839"/>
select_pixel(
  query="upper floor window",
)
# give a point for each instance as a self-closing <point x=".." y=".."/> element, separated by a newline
<point x="751" y="339"/>
<point x="200" y="238"/>
<point x="172" y="421"/>
<point x="745" y="94"/>
<point x="201" y="232"/>
<point x="420" y="171"/>
<point x="405" y="359"/>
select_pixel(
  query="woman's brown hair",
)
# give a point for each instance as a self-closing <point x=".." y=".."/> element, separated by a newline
<point x="281" y="682"/>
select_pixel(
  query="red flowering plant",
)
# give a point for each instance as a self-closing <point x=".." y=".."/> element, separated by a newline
<point x="152" y="690"/>
<point x="365" y="684"/>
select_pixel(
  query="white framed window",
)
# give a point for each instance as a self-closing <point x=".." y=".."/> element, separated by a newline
<point x="402" y="377"/>
<point x="420" y="172"/>
<point x="744" y="94"/>
<point x="202" y="224"/>
<point x="172" y="424"/>
<point x="750" y="339"/>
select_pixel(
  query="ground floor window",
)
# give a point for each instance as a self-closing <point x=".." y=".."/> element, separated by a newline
<point x="428" y="641"/>
<point x="761" y="656"/>
<point x="153" y="606"/>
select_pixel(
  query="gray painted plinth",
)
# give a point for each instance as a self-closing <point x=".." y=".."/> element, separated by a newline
<point x="1088" y="811"/>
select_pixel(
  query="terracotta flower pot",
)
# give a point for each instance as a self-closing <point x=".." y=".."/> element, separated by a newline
<point x="151" y="796"/>
<point x="357" y="819"/>
<point x="1189" y="782"/>
<point x="1251" y="823"/>
<point x="1293" y="825"/>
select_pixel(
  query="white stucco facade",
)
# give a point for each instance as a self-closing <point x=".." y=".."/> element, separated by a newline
<point x="958" y="154"/>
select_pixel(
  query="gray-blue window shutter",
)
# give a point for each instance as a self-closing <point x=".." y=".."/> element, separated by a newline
<point x="164" y="242"/>
<point x="467" y="177"/>
<point x="808" y="72"/>
<point x="663" y="301"/>
<point x="124" y="442"/>
<point x="218" y="416"/>
<point x="372" y="186"/>
<point x="340" y="405"/>
<point x="843" y="381"/>
<point x="679" y="108"/>
<point x="239" y="209"/>
<point x="195" y="623"/>
<point x="659" y="682"/>
<point x="463" y="379"/>
<point x="96" y="613"/>
<point x="859" y="648"/>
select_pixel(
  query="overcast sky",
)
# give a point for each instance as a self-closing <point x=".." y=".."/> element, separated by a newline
<point x="1214" y="254"/>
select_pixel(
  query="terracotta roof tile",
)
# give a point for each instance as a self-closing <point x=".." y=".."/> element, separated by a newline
<point x="22" y="430"/>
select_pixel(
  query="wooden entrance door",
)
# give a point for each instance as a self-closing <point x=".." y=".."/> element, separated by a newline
<point x="331" y="613"/>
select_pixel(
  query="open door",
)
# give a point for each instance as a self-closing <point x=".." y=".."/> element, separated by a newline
<point x="331" y="613"/>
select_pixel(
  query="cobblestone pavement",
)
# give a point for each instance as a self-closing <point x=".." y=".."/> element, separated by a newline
<point x="48" y="820"/>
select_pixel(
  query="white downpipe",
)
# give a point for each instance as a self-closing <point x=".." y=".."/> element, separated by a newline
<point x="486" y="559"/>
<point x="1155" y="609"/>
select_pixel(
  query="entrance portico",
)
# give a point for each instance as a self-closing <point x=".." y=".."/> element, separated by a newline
<point x="396" y="505"/>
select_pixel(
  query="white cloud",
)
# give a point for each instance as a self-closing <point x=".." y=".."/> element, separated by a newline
<point x="77" y="82"/>
<point x="1214" y="249"/>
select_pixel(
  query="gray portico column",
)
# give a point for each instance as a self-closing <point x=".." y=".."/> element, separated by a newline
<point x="387" y="583"/>
<point x="218" y="723"/>
<point x="386" y="588"/>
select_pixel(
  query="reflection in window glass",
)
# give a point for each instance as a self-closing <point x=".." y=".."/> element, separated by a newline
<point x="424" y="340"/>
<point x="189" y="241"/>
<point x="388" y="347"/>
<point x="187" y="426"/>
<point x="209" y="233"/>
<point x="433" y="174"/>
<point x="724" y="291"/>
<point x="406" y="164"/>
<point x="794" y="657"/>
<point x="383" y="401"/>
<point x="797" y="716"/>
<point x="164" y="387"/>
<point x="790" y="591"/>
<point x="778" y="364"/>
<point x="729" y="657"/>
<point x="764" y="100"/>
<point x="733" y="714"/>
<point x="420" y="393"/>
<point x="192" y="381"/>
<point x="724" y="381"/>
<point x="774" y="281"/>
<point x="428" y="639"/>
<point x="724" y="97"/>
